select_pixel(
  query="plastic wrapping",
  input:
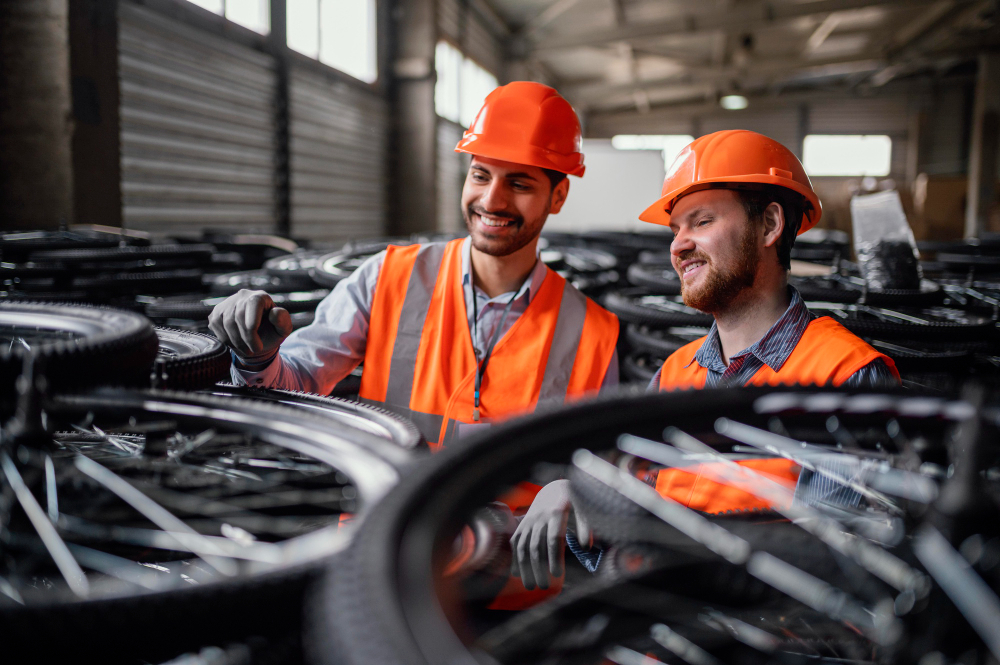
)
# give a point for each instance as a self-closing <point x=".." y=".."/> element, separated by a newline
<point x="884" y="242"/>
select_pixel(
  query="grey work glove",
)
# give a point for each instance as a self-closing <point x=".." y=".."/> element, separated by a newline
<point x="539" y="543"/>
<point x="250" y="324"/>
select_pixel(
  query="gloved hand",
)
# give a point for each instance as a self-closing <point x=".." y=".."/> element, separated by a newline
<point x="539" y="543"/>
<point x="250" y="324"/>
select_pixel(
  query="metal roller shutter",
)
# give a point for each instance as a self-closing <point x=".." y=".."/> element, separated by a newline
<point x="198" y="138"/>
<point x="339" y="142"/>
<point x="457" y="22"/>
<point x="452" y="167"/>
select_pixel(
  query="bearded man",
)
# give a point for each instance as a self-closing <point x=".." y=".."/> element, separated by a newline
<point x="736" y="200"/>
<point x="460" y="334"/>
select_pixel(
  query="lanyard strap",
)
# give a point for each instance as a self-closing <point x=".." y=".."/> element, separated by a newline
<point x="481" y="367"/>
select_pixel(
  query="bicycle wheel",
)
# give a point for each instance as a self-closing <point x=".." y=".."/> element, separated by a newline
<point x="188" y="360"/>
<point x="173" y="520"/>
<point x="935" y="324"/>
<point x="350" y="413"/>
<point x="90" y="346"/>
<point x="723" y="588"/>
<point x="656" y="311"/>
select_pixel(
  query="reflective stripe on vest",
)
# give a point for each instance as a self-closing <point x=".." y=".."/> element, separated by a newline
<point x="827" y="354"/>
<point x="420" y="359"/>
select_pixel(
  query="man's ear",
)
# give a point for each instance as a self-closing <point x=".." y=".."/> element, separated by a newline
<point x="774" y="224"/>
<point x="558" y="197"/>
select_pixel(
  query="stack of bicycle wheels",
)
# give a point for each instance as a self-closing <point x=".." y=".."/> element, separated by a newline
<point x="882" y="551"/>
<point x="136" y="523"/>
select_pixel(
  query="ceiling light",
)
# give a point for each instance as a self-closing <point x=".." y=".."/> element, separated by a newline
<point x="734" y="102"/>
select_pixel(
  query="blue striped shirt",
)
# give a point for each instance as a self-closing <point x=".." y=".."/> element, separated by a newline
<point x="773" y="350"/>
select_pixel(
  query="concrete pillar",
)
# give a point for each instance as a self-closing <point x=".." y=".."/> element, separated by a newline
<point x="36" y="125"/>
<point x="983" y="153"/>
<point x="414" y="173"/>
<point x="93" y="41"/>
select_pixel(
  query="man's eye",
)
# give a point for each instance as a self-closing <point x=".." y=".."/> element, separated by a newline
<point x="703" y="222"/>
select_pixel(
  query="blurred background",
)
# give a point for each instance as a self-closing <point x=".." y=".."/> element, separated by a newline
<point x="326" y="120"/>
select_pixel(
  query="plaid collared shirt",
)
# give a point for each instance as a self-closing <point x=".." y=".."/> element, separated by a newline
<point x="773" y="349"/>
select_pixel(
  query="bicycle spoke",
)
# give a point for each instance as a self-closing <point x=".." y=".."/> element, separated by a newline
<point x="171" y="525"/>
<point x="681" y="647"/>
<point x="67" y="565"/>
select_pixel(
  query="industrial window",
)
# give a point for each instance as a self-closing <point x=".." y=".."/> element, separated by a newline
<point x="669" y="144"/>
<point x="339" y="33"/>
<point x="847" y="155"/>
<point x="253" y="14"/>
<point x="462" y="85"/>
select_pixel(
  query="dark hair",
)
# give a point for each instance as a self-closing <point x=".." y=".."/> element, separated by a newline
<point x="555" y="177"/>
<point x="755" y="201"/>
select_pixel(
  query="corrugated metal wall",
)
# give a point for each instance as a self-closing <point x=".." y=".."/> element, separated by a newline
<point x="463" y="26"/>
<point x="452" y="167"/>
<point x="339" y="142"/>
<point x="198" y="137"/>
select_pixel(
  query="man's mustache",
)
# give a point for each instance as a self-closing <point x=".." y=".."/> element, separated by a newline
<point x="518" y="219"/>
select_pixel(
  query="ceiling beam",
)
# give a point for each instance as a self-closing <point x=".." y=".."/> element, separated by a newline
<point x="547" y="15"/>
<point x="592" y="94"/>
<point x="492" y="18"/>
<point x="744" y="17"/>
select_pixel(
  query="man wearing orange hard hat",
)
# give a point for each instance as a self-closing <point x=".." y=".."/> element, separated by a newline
<point x="735" y="201"/>
<point x="455" y="334"/>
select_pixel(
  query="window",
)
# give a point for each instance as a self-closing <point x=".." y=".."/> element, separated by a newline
<point x="339" y="33"/>
<point x="847" y="155"/>
<point x="462" y="85"/>
<point x="669" y="144"/>
<point x="252" y="14"/>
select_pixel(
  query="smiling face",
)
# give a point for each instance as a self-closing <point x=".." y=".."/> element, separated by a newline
<point x="506" y="204"/>
<point x="716" y="251"/>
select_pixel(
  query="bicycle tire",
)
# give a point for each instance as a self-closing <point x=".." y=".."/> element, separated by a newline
<point x="656" y="278"/>
<point x="198" y="307"/>
<point x="90" y="346"/>
<point x="661" y="343"/>
<point x="628" y="305"/>
<point x="349" y="413"/>
<point x="155" y="622"/>
<point x="188" y="360"/>
<point x="196" y="252"/>
<point x="951" y="325"/>
<point x="640" y="368"/>
<point x="379" y="602"/>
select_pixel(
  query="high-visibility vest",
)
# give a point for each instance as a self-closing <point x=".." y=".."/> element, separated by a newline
<point x="420" y="360"/>
<point x="827" y="354"/>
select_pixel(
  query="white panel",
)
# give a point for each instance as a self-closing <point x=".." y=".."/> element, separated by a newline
<point x="197" y="128"/>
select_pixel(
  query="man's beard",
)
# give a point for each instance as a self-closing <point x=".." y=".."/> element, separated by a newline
<point x="720" y="289"/>
<point x="502" y="246"/>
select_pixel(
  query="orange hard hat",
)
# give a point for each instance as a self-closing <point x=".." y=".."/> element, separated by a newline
<point x="734" y="159"/>
<point x="527" y="123"/>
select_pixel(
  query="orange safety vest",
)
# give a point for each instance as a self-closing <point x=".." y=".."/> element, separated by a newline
<point x="827" y="354"/>
<point x="420" y="359"/>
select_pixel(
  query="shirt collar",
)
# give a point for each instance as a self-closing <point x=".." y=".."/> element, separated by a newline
<point x="528" y="288"/>
<point x="773" y="349"/>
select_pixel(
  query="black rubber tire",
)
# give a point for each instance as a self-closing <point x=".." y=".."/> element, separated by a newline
<point x="166" y="281"/>
<point x="660" y="343"/>
<point x="336" y="266"/>
<point x="655" y="278"/>
<point x="99" y="346"/>
<point x="379" y="602"/>
<point x="640" y="368"/>
<point x="912" y="358"/>
<point x="823" y="289"/>
<point x="265" y="280"/>
<point x="298" y="263"/>
<point x="195" y="252"/>
<point x="628" y="306"/>
<point x="188" y="360"/>
<point x="578" y="260"/>
<point x="950" y="325"/>
<point x="157" y="624"/>
<point x="344" y="412"/>
<point x="198" y="308"/>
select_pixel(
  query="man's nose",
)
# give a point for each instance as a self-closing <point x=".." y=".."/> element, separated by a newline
<point x="494" y="199"/>
<point x="681" y="243"/>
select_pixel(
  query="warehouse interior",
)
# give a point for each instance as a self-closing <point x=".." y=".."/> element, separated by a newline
<point x="221" y="444"/>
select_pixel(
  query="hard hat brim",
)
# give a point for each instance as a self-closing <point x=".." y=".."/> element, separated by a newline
<point x="527" y="155"/>
<point x="658" y="213"/>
